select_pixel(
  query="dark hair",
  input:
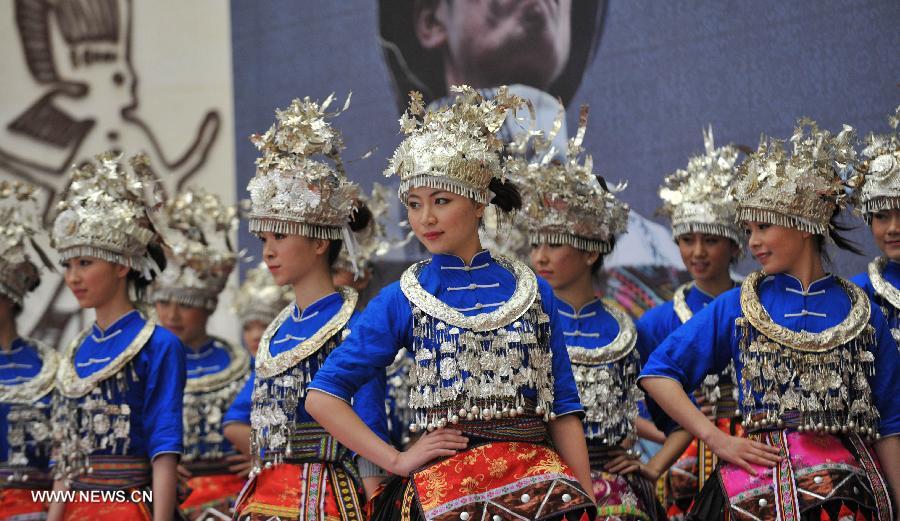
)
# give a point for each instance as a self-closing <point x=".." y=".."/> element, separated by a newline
<point x="839" y="240"/>
<point x="595" y="267"/>
<point x="360" y="217"/>
<point x="506" y="195"/>
<point x="136" y="279"/>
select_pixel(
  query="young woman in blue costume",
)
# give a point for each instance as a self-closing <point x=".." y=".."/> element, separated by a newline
<point x="814" y="360"/>
<point x="492" y="389"/>
<point x="200" y="259"/>
<point x="256" y="304"/>
<point x="702" y="211"/>
<point x="879" y="201"/>
<point x="27" y="366"/>
<point x="572" y="221"/>
<point x="118" y="406"/>
<point x="302" y="208"/>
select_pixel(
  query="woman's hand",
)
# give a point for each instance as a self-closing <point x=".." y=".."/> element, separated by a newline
<point x="437" y="444"/>
<point x="624" y="462"/>
<point x="239" y="465"/>
<point x="743" y="452"/>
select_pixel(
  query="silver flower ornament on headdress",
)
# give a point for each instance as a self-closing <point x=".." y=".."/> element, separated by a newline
<point x="200" y="257"/>
<point x="801" y="190"/>
<point x="563" y="201"/>
<point x="105" y="212"/>
<point x="698" y="198"/>
<point x="300" y="187"/>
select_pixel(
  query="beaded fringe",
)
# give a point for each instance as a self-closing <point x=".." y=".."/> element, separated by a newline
<point x="477" y="376"/>
<point x="721" y="230"/>
<point x="575" y="241"/>
<point x="100" y="253"/>
<point x="94" y="422"/>
<point x="185" y="297"/>
<point x="828" y="391"/>
<point x="282" y="226"/>
<point x="878" y="204"/>
<point x="778" y="219"/>
<point x="609" y="394"/>
<point x="443" y="183"/>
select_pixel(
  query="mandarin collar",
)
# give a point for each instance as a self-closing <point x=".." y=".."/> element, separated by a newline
<point x="122" y="322"/>
<point x="446" y="260"/>
<point x="589" y="306"/>
<point x="318" y="305"/>
<point x="793" y="284"/>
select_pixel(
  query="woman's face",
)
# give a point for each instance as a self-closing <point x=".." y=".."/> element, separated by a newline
<point x="188" y="323"/>
<point x="93" y="281"/>
<point x="706" y="256"/>
<point x="291" y="257"/>
<point x="252" y="332"/>
<point x="776" y="248"/>
<point x="444" y="222"/>
<point x="560" y="264"/>
<point x="886" y="232"/>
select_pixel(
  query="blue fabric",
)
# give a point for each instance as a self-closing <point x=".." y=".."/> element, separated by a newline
<point x="21" y="363"/>
<point x="386" y="325"/>
<point x="239" y="411"/>
<point x="653" y="327"/>
<point x="891" y="274"/>
<point x="592" y="326"/>
<point x="368" y="399"/>
<point x="707" y="342"/>
<point x="156" y="397"/>
<point x="211" y="358"/>
<point x="657" y="323"/>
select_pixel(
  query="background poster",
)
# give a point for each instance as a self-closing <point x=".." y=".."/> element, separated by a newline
<point x="655" y="74"/>
<point x="188" y="82"/>
<point x="83" y="76"/>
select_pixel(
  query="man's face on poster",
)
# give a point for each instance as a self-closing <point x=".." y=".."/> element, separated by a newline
<point x="486" y="43"/>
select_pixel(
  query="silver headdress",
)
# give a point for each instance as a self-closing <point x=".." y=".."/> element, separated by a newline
<point x="370" y="242"/>
<point x="300" y="187"/>
<point x="801" y="190"/>
<point x="563" y="202"/>
<point x="698" y="199"/>
<point x="104" y="212"/>
<point x="881" y="170"/>
<point x="19" y="224"/>
<point x="199" y="251"/>
<point x="453" y="148"/>
<point x="259" y="298"/>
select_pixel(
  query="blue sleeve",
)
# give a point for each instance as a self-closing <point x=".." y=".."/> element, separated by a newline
<point x="885" y="383"/>
<point x="239" y="411"/>
<point x="565" y="393"/>
<point x="645" y="346"/>
<point x="369" y="405"/>
<point x="164" y="394"/>
<point x="376" y="336"/>
<point x="700" y="347"/>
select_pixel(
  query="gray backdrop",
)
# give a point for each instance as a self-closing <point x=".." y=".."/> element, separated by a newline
<point x="662" y="72"/>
